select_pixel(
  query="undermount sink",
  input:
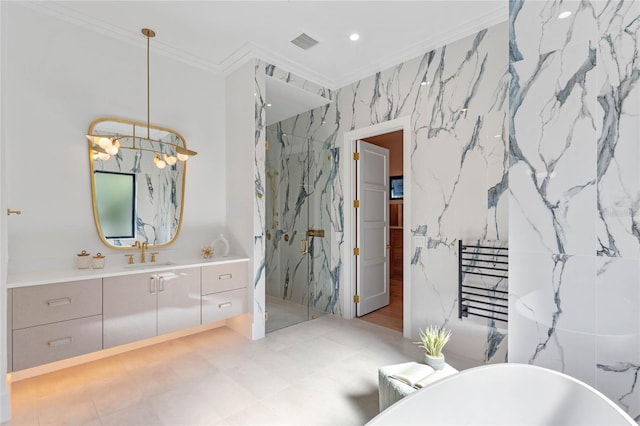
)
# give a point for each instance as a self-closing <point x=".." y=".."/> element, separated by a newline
<point x="150" y="264"/>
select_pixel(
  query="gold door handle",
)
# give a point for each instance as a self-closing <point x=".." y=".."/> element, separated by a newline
<point x="304" y="246"/>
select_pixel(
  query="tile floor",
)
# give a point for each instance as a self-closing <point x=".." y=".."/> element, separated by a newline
<point x="320" y="372"/>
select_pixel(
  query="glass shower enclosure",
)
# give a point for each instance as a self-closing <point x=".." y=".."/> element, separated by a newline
<point x="298" y="229"/>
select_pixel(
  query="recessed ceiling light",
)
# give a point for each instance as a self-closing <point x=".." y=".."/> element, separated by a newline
<point x="354" y="37"/>
<point x="564" y="14"/>
<point x="268" y="105"/>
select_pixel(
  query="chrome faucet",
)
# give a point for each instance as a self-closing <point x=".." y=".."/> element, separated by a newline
<point x="142" y="247"/>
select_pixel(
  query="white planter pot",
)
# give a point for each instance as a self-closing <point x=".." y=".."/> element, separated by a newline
<point x="433" y="362"/>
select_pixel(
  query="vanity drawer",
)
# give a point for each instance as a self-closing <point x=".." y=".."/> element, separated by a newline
<point x="228" y="276"/>
<point x="52" y="342"/>
<point x="44" y="304"/>
<point x="223" y="305"/>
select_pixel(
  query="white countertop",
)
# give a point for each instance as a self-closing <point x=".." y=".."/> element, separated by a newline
<point x="49" y="276"/>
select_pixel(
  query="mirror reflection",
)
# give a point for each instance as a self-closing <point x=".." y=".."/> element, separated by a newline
<point x="137" y="182"/>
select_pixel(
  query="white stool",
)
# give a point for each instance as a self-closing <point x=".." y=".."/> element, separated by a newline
<point x="391" y="390"/>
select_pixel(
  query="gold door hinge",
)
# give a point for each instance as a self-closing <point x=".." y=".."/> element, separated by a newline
<point x="356" y="251"/>
<point x="266" y="316"/>
<point x="266" y="145"/>
<point x="356" y="204"/>
<point x="356" y="298"/>
<point x="356" y="156"/>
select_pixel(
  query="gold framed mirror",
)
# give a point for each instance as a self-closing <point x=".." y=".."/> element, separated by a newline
<point x="138" y="178"/>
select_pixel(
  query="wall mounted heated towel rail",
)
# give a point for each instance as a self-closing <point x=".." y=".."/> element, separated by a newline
<point x="483" y="276"/>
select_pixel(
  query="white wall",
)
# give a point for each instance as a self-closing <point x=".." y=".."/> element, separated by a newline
<point x="60" y="77"/>
<point x="5" y="409"/>
<point x="240" y="122"/>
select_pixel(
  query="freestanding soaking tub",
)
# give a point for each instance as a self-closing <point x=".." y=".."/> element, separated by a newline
<point x="505" y="394"/>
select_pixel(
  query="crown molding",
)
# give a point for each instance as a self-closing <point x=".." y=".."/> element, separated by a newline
<point x="250" y="51"/>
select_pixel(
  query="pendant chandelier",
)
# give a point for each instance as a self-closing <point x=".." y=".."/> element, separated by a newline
<point x="104" y="146"/>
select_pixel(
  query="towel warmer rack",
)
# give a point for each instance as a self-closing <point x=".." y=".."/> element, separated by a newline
<point x="483" y="274"/>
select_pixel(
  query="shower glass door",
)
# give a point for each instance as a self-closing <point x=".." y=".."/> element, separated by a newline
<point x="297" y="238"/>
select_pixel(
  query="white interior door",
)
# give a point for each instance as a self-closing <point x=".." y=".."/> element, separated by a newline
<point x="372" y="227"/>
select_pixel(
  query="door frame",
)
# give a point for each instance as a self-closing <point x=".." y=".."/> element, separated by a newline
<point x="348" y="190"/>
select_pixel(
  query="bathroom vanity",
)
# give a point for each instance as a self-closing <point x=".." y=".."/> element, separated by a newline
<point x="58" y="315"/>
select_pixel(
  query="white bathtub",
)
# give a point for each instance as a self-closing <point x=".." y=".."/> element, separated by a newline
<point x="505" y="394"/>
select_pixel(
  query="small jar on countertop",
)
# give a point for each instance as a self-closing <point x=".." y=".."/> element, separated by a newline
<point x="83" y="260"/>
<point x="98" y="261"/>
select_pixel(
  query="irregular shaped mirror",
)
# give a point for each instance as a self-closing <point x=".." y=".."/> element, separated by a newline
<point x="137" y="182"/>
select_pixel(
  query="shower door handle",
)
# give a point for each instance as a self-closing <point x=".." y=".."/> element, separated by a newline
<point x="304" y="246"/>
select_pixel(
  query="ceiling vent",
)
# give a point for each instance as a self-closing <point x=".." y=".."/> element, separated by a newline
<point x="305" y="42"/>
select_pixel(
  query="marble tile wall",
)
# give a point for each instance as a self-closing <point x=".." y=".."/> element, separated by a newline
<point x="574" y="190"/>
<point x="259" y="218"/>
<point x="458" y="169"/>
<point x="299" y="191"/>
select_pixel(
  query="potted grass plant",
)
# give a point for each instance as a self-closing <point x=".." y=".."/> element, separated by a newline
<point x="433" y="339"/>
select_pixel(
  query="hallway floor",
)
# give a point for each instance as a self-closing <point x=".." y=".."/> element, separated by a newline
<point x="315" y="373"/>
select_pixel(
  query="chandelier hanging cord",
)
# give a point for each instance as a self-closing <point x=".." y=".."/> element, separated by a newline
<point x="107" y="146"/>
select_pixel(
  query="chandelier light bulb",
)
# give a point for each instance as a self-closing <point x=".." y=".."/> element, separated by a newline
<point x="183" y="157"/>
<point x="111" y="150"/>
<point x="170" y="159"/>
<point x="159" y="162"/>
<point x="103" y="156"/>
<point x="104" y="143"/>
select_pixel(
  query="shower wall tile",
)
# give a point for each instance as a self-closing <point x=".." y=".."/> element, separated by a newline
<point x="618" y="331"/>
<point x="289" y="78"/>
<point x="257" y="300"/>
<point x="574" y="106"/>
<point x="552" y="301"/>
<point x="552" y="150"/>
<point x="618" y="296"/>
<point x="618" y="368"/>
<point x="619" y="98"/>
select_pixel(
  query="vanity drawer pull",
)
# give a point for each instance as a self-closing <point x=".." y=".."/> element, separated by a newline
<point x="225" y="305"/>
<point x="59" y="342"/>
<point x="59" y="302"/>
<point x="225" y="276"/>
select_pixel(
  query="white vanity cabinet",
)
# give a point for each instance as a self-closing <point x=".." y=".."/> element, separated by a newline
<point x="224" y="291"/>
<point x="52" y="318"/>
<point x="145" y="305"/>
<point x="55" y="321"/>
